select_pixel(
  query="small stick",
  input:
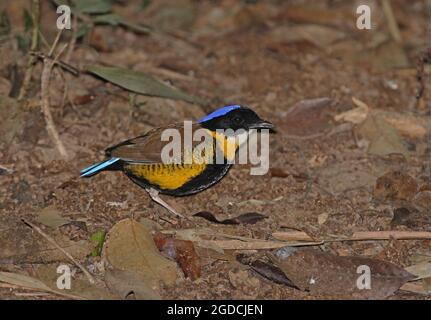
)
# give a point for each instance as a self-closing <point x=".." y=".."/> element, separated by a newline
<point x="72" y="42"/>
<point x="45" y="80"/>
<point x="67" y="254"/>
<point x="359" y="236"/>
<point x="34" y="43"/>
<point x="73" y="70"/>
<point x="392" y="22"/>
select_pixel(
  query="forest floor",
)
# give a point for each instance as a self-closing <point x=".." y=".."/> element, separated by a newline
<point x="273" y="56"/>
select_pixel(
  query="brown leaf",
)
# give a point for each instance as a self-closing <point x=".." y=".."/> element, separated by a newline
<point x="325" y="274"/>
<point x="308" y="117"/>
<point x="356" y="115"/>
<point x="20" y="245"/>
<point x="382" y="137"/>
<point x="130" y="247"/>
<point x="395" y="185"/>
<point x="267" y="270"/>
<point x="245" y="218"/>
<point x="51" y="217"/>
<point x="278" y="173"/>
<point x="182" y="251"/>
<point x="124" y="283"/>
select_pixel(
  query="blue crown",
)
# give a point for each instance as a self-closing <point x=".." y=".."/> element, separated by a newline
<point x="219" y="112"/>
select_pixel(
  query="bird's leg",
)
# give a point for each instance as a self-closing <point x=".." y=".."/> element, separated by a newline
<point x="154" y="194"/>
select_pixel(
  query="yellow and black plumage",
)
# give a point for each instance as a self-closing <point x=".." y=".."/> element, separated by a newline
<point x="140" y="158"/>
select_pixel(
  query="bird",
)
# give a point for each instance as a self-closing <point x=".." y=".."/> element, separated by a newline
<point x="140" y="158"/>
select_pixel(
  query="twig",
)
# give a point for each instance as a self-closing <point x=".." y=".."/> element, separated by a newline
<point x="386" y="235"/>
<point x="67" y="254"/>
<point x="48" y="64"/>
<point x="73" y="70"/>
<point x="392" y="22"/>
<point x="50" y="291"/>
<point x="72" y="42"/>
<point x="357" y="236"/>
<point x="34" y="44"/>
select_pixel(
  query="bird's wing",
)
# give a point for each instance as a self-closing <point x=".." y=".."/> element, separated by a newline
<point x="148" y="148"/>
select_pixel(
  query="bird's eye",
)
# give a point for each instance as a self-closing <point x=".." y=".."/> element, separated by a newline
<point x="237" y="120"/>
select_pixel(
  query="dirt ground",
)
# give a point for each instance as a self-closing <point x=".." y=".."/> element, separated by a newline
<point x="262" y="54"/>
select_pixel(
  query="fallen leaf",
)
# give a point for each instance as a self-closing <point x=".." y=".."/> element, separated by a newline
<point x="408" y="125"/>
<point x="92" y="6"/>
<point x="422" y="200"/>
<point x="129" y="246"/>
<point x="50" y="217"/>
<point x="125" y="283"/>
<point x="278" y="173"/>
<point x="395" y="185"/>
<point x="315" y="14"/>
<point x="325" y="274"/>
<point x="80" y="286"/>
<point x="182" y="251"/>
<point x="27" y="282"/>
<point x="382" y="137"/>
<point x="267" y="270"/>
<point x="356" y="115"/>
<point x="421" y="270"/>
<point x="322" y="218"/>
<point x="98" y="238"/>
<point x="139" y="82"/>
<point x="389" y="55"/>
<point x="319" y="36"/>
<point x="20" y="245"/>
<point x="116" y="20"/>
<point x="245" y="218"/>
<point x="307" y="118"/>
<point x="23" y="281"/>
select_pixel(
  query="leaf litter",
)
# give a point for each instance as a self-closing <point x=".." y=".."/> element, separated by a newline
<point x="284" y="54"/>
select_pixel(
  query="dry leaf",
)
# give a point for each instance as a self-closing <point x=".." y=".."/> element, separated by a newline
<point x="130" y="247"/>
<point x="356" y="115"/>
<point x="124" y="283"/>
<point x="245" y="218"/>
<point x="182" y="251"/>
<point x="80" y="286"/>
<point x="51" y="217"/>
<point x="20" y="245"/>
<point x="266" y="270"/>
<point x="320" y="36"/>
<point x="395" y="185"/>
<point x="382" y="137"/>
<point x="421" y="270"/>
<point x="308" y="117"/>
<point x="326" y="274"/>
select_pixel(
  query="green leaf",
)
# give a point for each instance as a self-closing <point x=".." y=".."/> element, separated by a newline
<point x="140" y="83"/>
<point x="115" y="20"/>
<point x="98" y="238"/>
<point x="93" y="6"/>
<point x="110" y="18"/>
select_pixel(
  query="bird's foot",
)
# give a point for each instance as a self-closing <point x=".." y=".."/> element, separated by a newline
<point x="154" y="194"/>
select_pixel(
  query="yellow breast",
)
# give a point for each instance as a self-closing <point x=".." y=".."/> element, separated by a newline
<point x="166" y="176"/>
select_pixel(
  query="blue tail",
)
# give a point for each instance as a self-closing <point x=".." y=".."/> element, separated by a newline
<point x="95" y="168"/>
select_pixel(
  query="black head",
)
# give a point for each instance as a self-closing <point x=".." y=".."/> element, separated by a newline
<point x="234" y="117"/>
